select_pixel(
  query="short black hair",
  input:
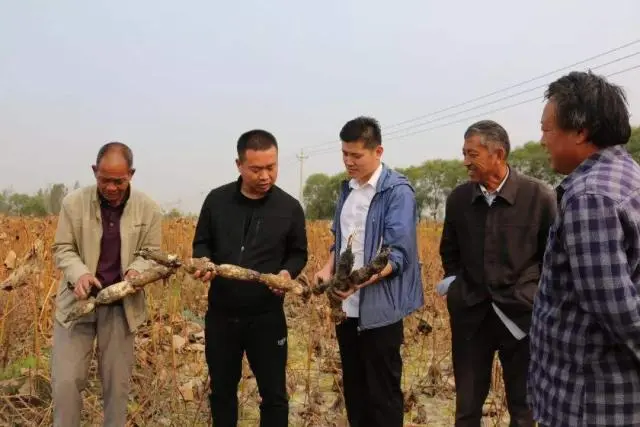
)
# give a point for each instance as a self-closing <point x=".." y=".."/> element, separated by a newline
<point x="365" y="129"/>
<point x="490" y="132"/>
<point x="588" y="101"/>
<point x="117" y="146"/>
<point x="256" y="139"/>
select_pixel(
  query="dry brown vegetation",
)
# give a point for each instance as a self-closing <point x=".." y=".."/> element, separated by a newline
<point x="169" y="384"/>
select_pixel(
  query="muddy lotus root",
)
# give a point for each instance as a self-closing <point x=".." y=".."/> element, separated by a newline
<point x="345" y="279"/>
<point x="118" y="291"/>
<point x="229" y="271"/>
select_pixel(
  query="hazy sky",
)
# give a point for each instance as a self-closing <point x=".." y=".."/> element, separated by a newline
<point x="180" y="81"/>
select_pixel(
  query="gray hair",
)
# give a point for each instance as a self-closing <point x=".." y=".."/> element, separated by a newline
<point x="490" y="133"/>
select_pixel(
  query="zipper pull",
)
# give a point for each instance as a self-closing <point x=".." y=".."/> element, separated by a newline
<point x="242" y="249"/>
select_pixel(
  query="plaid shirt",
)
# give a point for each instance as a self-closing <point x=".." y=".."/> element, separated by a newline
<point x="585" y="333"/>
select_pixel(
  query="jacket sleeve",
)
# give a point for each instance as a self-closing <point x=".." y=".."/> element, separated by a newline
<point x="296" y="242"/>
<point x="400" y="228"/>
<point x="151" y="239"/>
<point x="549" y="212"/>
<point x="65" y="247"/>
<point x="449" y="249"/>
<point x="334" y="223"/>
<point x="332" y="248"/>
<point x="203" y="235"/>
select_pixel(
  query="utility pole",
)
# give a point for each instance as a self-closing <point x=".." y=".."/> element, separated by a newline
<point x="301" y="157"/>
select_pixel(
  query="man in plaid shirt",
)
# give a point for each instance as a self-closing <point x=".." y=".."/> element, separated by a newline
<point x="585" y="334"/>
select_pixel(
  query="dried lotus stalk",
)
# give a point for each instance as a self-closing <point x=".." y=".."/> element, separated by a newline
<point x="28" y="265"/>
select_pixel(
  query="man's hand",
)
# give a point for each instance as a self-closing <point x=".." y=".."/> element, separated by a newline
<point x="286" y="275"/>
<point x="323" y="275"/>
<point x="84" y="284"/>
<point x="346" y="294"/>
<point x="204" y="277"/>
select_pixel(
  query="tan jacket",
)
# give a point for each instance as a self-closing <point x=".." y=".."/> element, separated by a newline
<point x="76" y="247"/>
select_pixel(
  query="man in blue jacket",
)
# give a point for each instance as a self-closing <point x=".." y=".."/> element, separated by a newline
<point x="376" y="207"/>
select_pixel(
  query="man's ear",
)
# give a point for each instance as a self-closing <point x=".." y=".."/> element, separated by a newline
<point x="582" y="137"/>
<point x="238" y="163"/>
<point x="95" y="169"/>
<point x="132" y="171"/>
<point x="502" y="153"/>
<point x="379" y="150"/>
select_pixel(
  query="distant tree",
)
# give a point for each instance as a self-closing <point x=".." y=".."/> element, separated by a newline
<point x="320" y="195"/>
<point x="532" y="159"/>
<point x="633" y="146"/>
<point x="5" y="206"/>
<point x="433" y="182"/>
<point x="24" y="204"/>
<point x="56" y="194"/>
<point x="174" y="213"/>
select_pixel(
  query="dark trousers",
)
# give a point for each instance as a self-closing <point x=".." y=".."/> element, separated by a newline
<point x="473" y="351"/>
<point x="264" y="338"/>
<point x="371" y="372"/>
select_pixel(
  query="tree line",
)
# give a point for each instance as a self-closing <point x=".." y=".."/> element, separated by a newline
<point x="434" y="180"/>
<point x="46" y="201"/>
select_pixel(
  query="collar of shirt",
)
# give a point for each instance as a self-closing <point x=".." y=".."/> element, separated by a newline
<point x="567" y="185"/>
<point x="490" y="196"/>
<point x="373" y="181"/>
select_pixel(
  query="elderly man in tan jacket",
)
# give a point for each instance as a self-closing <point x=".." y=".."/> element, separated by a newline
<point x="99" y="229"/>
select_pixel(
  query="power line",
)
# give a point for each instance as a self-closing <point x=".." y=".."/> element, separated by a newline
<point x="328" y="150"/>
<point x="495" y="110"/>
<point x="502" y="99"/>
<point x="495" y="92"/>
<point x="520" y="84"/>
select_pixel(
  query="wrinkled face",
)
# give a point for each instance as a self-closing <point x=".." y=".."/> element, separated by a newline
<point x="481" y="161"/>
<point x="259" y="170"/>
<point x="113" y="176"/>
<point x="562" y="146"/>
<point x="360" y="161"/>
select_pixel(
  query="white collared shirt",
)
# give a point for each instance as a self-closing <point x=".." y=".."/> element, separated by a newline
<point x="353" y="219"/>
<point x="491" y="196"/>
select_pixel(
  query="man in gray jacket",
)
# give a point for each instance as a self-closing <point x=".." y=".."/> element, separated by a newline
<point x="99" y="229"/>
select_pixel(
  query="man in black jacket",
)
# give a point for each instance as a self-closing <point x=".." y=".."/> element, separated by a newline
<point x="254" y="224"/>
<point x="493" y="241"/>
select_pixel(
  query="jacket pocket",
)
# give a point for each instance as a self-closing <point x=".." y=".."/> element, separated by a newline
<point x="527" y="287"/>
